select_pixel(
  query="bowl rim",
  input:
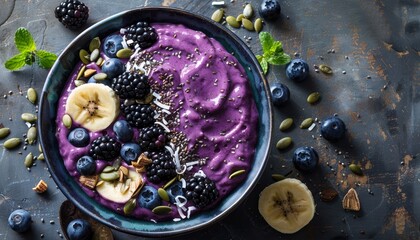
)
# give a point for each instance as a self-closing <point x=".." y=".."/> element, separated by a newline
<point x="266" y="150"/>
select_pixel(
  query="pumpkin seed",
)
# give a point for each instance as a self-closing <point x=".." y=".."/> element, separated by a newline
<point x="163" y="194"/>
<point x="232" y="22"/>
<point x="239" y="17"/>
<point x="12" y="143"/>
<point x="31" y="134"/>
<point x="124" y="53"/>
<point x="40" y="148"/>
<point x="313" y="97"/>
<point x="78" y="83"/>
<point x="247" y="24"/>
<point x="236" y="173"/>
<point x="109" y="176"/>
<point x="29" y="159"/>
<point x="286" y="124"/>
<point x="306" y="123"/>
<point x="325" y="69"/>
<point x="160" y="210"/>
<point x="4" y="132"/>
<point x="32" y="95"/>
<point x="100" y="76"/>
<point x="248" y="11"/>
<point x="356" y="169"/>
<point x="95" y="43"/>
<point x="67" y="122"/>
<point x="169" y="183"/>
<point x="81" y="72"/>
<point x="278" y="177"/>
<point x="284" y="143"/>
<point x="94" y="55"/>
<point x="84" y="56"/>
<point x="41" y="157"/>
<point x="218" y="15"/>
<point x="108" y="169"/>
<point x="129" y="206"/>
<point x="89" y="72"/>
<point x="258" y="24"/>
<point x="28" y="117"/>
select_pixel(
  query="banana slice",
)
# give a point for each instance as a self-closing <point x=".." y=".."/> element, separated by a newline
<point x="120" y="192"/>
<point x="93" y="105"/>
<point x="287" y="205"/>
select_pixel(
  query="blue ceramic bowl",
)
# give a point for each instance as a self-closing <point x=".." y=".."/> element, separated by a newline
<point x="64" y="66"/>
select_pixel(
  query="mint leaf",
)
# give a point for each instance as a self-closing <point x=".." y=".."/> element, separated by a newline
<point x="276" y="48"/>
<point x="16" y="62"/>
<point x="280" y="59"/>
<point x="264" y="65"/>
<point x="24" y="41"/>
<point x="266" y="41"/>
<point x="45" y="59"/>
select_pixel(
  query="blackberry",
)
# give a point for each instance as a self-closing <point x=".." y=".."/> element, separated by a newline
<point x="131" y="85"/>
<point x="139" y="115"/>
<point x="152" y="138"/>
<point x="201" y="190"/>
<point x="162" y="167"/>
<point x="72" y="14"/>
<point x="105" y="148"/>
<point x="142" y="34"/>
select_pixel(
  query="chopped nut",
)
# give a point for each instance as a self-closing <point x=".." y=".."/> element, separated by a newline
<point x="89" y="181"/>
<point x="40" y="187"/>
<point x="328" y="194"/>
<point x="351" y="201"/>
<point x="124" y="170"/>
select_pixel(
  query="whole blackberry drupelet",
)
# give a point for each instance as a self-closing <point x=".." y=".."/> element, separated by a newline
<point x="152" y="138"/>
<point x="139" y="115"/>
<point x="72" y="14"/>
<point x="162" y="167"/>
<point x="142" y="34"/>
<point x="105" y="148"/>
<point x="131" y="85"/>
<point x="201" y="190"/>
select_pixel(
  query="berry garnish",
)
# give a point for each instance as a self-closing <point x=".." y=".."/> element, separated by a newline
<point x="140" y="35"/>
<point x="105" y="148"/>
<point x="162" y="167"/>
<point x="305" y="158"/>
<point x="149" y="197"/>
<point x="112" y="44"/>
<point x="152" y="138"/>
<point x="333" y="128"/>
<point x="139" y="115"/>
<point x="20" y="220"/>
<point x="280" y="94"/>
<point x="86" y="165"/>
<point x="113" y="67"/>
<point x="270" y="9"/>
<point x="201" y="190"/>
<point x="131" y="85"/>
<point x="79" y="229"/>
<point x="123" y="131"/>
<point x="72" y="14"/>
<point x="130" y="152"/>
<point x="297" y="70"/>
<point x="79" y="137"/>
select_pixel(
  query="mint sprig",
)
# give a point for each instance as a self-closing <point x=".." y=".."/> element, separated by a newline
<point x="272" y="52"/>
<point x="28" y="53"/>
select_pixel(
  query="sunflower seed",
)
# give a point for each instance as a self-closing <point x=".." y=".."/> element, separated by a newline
<point x="4" y="132"/>
<point x="258" y="25"/>
<point x="248" y="11"/>
<point x="160" y="210"/>
<point x="94" y="55"/>
<point x="306" y="123"/>
<point x="236" y="173"/>
<point x="356" y="169"/>
<point x="313" y="97"/>
<point x="40" y="148"/>
<point x="218" y="15"/>
<point x="232" y="22"/>
<point x="284" y="143"/>
<point x="12" y="143"/>
<point x="100" y="76"/>
<point x="32" y="95"/>
<point x="124" y="53"/>
<point x="78" y="83"/>
<point x="29" y="159"/>
<point x="100" y="61"/>
<point x="163" y="194"/>
<point x="81" y="72"/>
<point x="129" y="206"/>
<point x="89" y="72"/>
<point x="286" y="124"/>
<point x="28" y="117"/>
<point x="95" y="43"/>
<point x="84" y="56"/>
<point x="247" y="24"/>
<point x="67" y="122"/>
<point x="31" y="135"/>
<point x="325" y="69"/>
<point x="278" y="177"/>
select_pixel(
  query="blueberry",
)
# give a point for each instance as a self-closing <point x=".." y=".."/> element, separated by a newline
<point x="20" y="220"/>
<point x="79" y="229"/>
<point x="113" y="67"/>
<point x="175" y="190"/>
<point x="106" y="81"/>
<point x="297" y="70"/>
<point x="130" y="152"/>
<point x="305" y="158"/>
<point x="123" y="131"/>
<point x="149" y="198"/>
<point x="79" y="137"/>
<point x="333" y="128"/>
<point x="269" y="9"/>
<point x="86" y="165"/>
<point x="280" y="94"/>
<point x="112" y="44"/>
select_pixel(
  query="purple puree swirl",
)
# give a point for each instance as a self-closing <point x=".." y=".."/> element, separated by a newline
<point x="210" y="101"/>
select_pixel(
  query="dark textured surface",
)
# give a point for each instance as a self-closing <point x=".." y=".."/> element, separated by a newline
<point x="376" y="43"/>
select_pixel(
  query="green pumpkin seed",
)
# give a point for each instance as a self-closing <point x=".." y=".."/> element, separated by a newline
<point x="248" y="11"/>
<point x="161" y="210"/>
<point x="95" y="43"/>
<point x="100" y="76"/>
<point x="236" y="173"/>
<point x="169" y="183"/>
<point x="286" y="124"/>
<point x="84" y="56"/>
<point x="313" y="97"/>
<point x="108" y="169"/>
<point x="306" y="123"/>
<point x="32" y="95"/>
<point x="41" y="157"/>
<point x="284" y="143"/>
<point x="67" y="122"/>
<point x="325" y="69"/>
<point x="356" y="169"/>
<point x="247" y="24"/>
<point x="81" y="72"/>
<point x="163" y="194"/>
<point x="232" y="22"/>
<point x="94" y="55"/>
<point x="129" y="206"/>
<point x="124" y="53"/>
<point x="278" y="177"/>
<point x="12" y="143"/>
<point x="31" y="134"/>
<point x="4" y="132"/>
<point x="109" y="176"/>
<point x="239" y="17"/>
<point x="218" y="15"/>
<point x="258" y="24"/>
<point x="28" y="117"/>
<point x="29" y="160"/>
<point x="78" y="83"/>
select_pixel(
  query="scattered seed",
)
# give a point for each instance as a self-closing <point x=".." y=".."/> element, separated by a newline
<point x="232" y="22"/>
<point x="344" y="72"/>
<point x="247" y="24"/>
<point x="236" y="173"/>
<point x="32" y="95"/>
<point x="89" y="72"/>
<point x="12" y="143"/>
<point x="356" y="169"/>
<point x="218" y="3"/>
<point x="325" y="69"/>
<point x="278" y="177"/>
<point x="284" y="143"/>
<point x="239" y="17"/>
<point x="258" y="25"/>
<point x="169" y="183"/>
<point x="100" y="76"/>
<point x="306" y="123"/>
<point x="313" y="97"/>
<point x="79" y="82"/>
<point x="41" y="157"/>
<point x="81" y="72"/>
<point x="29" y="159"/>
<point x="163" y="194"/>
<point x="129" y="206"/>
<point x="108" y="169"/>
<point x="100" y="61"/>
<point x="31" y="135"/>
<point x="109" y="176"/>
<point x="84" y="56"/>
<point x="94" y="55"/>
<point x="218" y="15"/>
<point x="28" y="117"/>
<point x="124" y="53"/>
<point x="67" y="121"/>
<point x="95" y="43"/>
<point x="4" y="132"/>
<point x="160" y="210"/>
<point x="248" y="11"/>
<point x="286" y="124"/>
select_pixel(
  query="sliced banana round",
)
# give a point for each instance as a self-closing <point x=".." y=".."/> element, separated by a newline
<point x="287" y="205"/>
<point x="93" y="105"/>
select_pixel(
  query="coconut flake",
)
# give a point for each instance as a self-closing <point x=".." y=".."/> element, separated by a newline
<point x="166" y="111"/>
<point x="181" y="213"/>
<point x="181" y="171"/>
<point x="183" y="183"/>
<point x="156" y="95"/>
<point x="192" y="163"/>
<point x="177" y="219"/>
<point x="153" y="220"/>
<point x="200" y="173"/>
<point x="164" y="121"/>
<point x="161" y="105"/>
<point x="311" y="127"/>
<point x="190" y="209"/>
<point x="179" y="203"/>
<point x="164" y="126"/>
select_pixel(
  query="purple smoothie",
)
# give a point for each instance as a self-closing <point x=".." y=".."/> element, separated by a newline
<point x="209" y="102"/>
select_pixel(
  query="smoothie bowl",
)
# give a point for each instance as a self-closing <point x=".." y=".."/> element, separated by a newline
<point x="156" y="121"/>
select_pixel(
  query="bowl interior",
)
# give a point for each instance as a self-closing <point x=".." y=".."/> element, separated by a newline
<point x="63" y="67"/>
